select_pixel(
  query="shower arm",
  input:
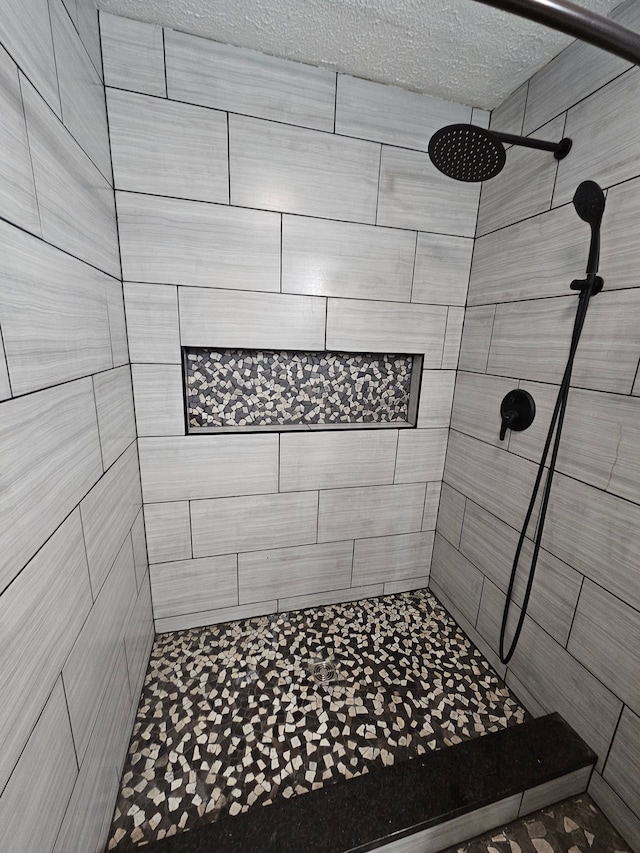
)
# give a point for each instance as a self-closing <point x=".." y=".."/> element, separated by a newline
<point x="577" y="22"/>
<point x="560" y="149"/>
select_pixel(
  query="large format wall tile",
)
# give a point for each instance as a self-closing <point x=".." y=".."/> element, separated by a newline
<point x="442" y="269"/>
<point x="187" y="586"/>
<point x="49" y="463"/>
<point x="623" y="764"/>
<point x="436" y="395"/>
<point x="17" y="190"/>
<point x="253" y="523"/>
<point x="476" y="338"/>
<point x="221" y="318"/>
<point x="75" y="201"/>
<point x="370" y="511"/>
<point x="47" y="770"/>
<point x="138" y="639"/>
<point x="207" y="466"/>
<point x="206" y="72"/>
<point x="295" y="571"/>
<point x="368" y="326"/>
<point x="421" y="455"/>
<point x="42" y="613"/>
<point x="452" y="509"/>
<point x="476" y="406"/>
<point x="329" y="460"/>
<point x="606" y="138"/>
<point x="457" y="577"/>
<point x="615" y="809"/>
<point x="152" y="323"/>
<point x="108" y="513"/>
<point x="324" y="258"/>
<point x="620" y="253"/>
<point x="158" y="390"/>
<point x="509" y="115"/>
<point x="168" y="527"/>
<point x="188" y="242"/>
<point x="165" y="148"/>
<point x="452" y="338"/>
<point x="605" y="637"/>
<point x="334" y="596"/>
<point x="392" y="558"/>
<point x="47" y="300"/>
<point x="5" y="386"/>
<point x="414" y="194"/>
<point x="133" y="55"/>
<point x="295" y="170"/>
<point x="205" y="618"/>
<point x="117" y="323"/>
<point x="114" y="406"/>
<point x="391" y="114"/>
<point x="139" y="542"/>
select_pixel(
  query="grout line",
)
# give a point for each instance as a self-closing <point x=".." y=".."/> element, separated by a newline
<point x="55" y="63"/>
<point x="613" y="737"/>
<point x="375" y="220"/>
<point x="164" y="65"/>
<point x="317" y="517"/>
<point x="395" y="464"/>
<point x="3" y="355"/>
<point x="524" y="111"/>
<point x="575" y="610"/>
<point x="190" y="532"/>
<point x="95" y="408"/>
<point x="33" y="173"/>
<point x="228" y="163"/>
<point x="335" y="104"/>
<point x="555" y="177"/>
<point x="282" y="251"/>
<point x="413" y="272"/>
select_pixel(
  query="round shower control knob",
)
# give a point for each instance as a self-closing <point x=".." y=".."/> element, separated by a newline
<point x="517" y="411"/>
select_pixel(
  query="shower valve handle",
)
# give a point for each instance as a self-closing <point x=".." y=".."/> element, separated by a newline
<point x="517" y="411"/>
<point x="508" y="418"/>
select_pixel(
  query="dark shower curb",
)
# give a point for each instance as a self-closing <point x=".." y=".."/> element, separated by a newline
<point x="389" y="804"/>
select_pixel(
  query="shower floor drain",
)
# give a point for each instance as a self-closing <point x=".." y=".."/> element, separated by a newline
<point x="323" y="672"/>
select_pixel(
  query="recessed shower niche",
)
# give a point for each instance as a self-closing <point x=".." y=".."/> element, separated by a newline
<point x="236" y="390"/>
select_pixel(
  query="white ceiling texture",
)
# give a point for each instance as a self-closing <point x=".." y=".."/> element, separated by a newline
<point x="455" y="49"/>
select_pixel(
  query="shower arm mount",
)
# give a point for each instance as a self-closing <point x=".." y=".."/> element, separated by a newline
<point x="560" y="149"/>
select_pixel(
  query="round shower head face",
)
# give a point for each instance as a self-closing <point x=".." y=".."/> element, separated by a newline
<point x="466" y="153"/>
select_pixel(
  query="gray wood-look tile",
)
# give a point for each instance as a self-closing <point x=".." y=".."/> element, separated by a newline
<point x="295" y="170"/>
<point x="187" y="586"/>
<point x="436" y="397"/>
<point x="442" y="269"/>
<point x="72" y="8"/>
<point x="5" y="387"/>
<point x="159" y="399"/>
<point x="525" y="185"/>
<point x="605" y="637"/>
<point x="490" y="544"/>
<point x="622" y="770"/>
<point x="47" y="770"/>
<point x="392" y="558"/>
<point x="555" y="791"/>
<point x="509" y="116"/>
<point x="214" y="617"/>
<point x="476" y="406"/>
<point x="452" y="338"/>
<point x="511" y="265"/>
<point x="235" y="319"/>
<point x="108" y="513"/>
<point x="451" y="514"/>
<point x="152" y="323"/>
<point x="114" y="405"/>
<point x="320" y="599"/>
<point x="459" y="578"/>
<point x="42" y="613"/>
<point x="89" y="30"/>
<point x="209" y="466"/>
<point x="370" y="511"/>
<point x="490" y="616"/>
<point x="457" y="830"/>
<point x="324" y="258"/>
<point x="531" y="341"/>
<point x="253" y="523"/>
<point x="330" y="460"/>
<point x="133" y="55"/>
<point x="393" y="587"/>
<point x="594" y="532"/>
<point x="479" y="117"/>
<point x="84" y="112"/>
<point x="168" y="527"/>
<point x="90" y="664"/>
<point x="17" y="190"/>
<point x="301" y="570"/>
<point x="207" y="72"/>
<point x="421" y="455"/>
<point x="606" y="134"/>
<point x="26" y="30"/>
<point x="139" y="542"/>
<point x="48" y="463"/>
<point x="574" y="74"/>
<point x="391" y="114"/>
<point x="166" y="148"/>
<point x="138" y="639"/>
<point x="476" y="338"/>
<point x="97" y="784"/>
<point x="117" y="323"/>
<point x="368" y="326"/>
<point x="53" y="311"/>
<point x="76" y="204"/>
<point x="414" y="194"/>
<point x="620" y="254"/>
<point x="562" y="684"/>
<point x="171" y="241"/>
<point x="491" y="477"/>
<point x="636" y="385"/>
<point x="626" y="822"/>
<point x="431" y="504"/>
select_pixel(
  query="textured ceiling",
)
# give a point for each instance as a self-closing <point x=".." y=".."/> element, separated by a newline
<point x="456" y="49"/>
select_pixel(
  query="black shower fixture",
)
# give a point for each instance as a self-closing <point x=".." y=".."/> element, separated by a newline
<point x="469" y="153"/>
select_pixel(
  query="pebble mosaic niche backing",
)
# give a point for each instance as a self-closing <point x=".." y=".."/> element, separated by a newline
<point x="257" y="388"/>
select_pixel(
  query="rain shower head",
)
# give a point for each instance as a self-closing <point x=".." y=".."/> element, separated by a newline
<point x="469" y="153"/>
<point x="588" y="201"/>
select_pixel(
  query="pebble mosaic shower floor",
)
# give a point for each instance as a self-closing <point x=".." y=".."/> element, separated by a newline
<point x="232" y="716"/>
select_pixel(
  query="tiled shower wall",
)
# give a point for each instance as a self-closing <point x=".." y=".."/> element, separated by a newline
<point x="75" y="616"/>
<point x="578" y="653"/>
<point x="267" y="204"/>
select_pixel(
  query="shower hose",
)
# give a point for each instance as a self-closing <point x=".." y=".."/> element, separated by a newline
<point x="588" y="287"/>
